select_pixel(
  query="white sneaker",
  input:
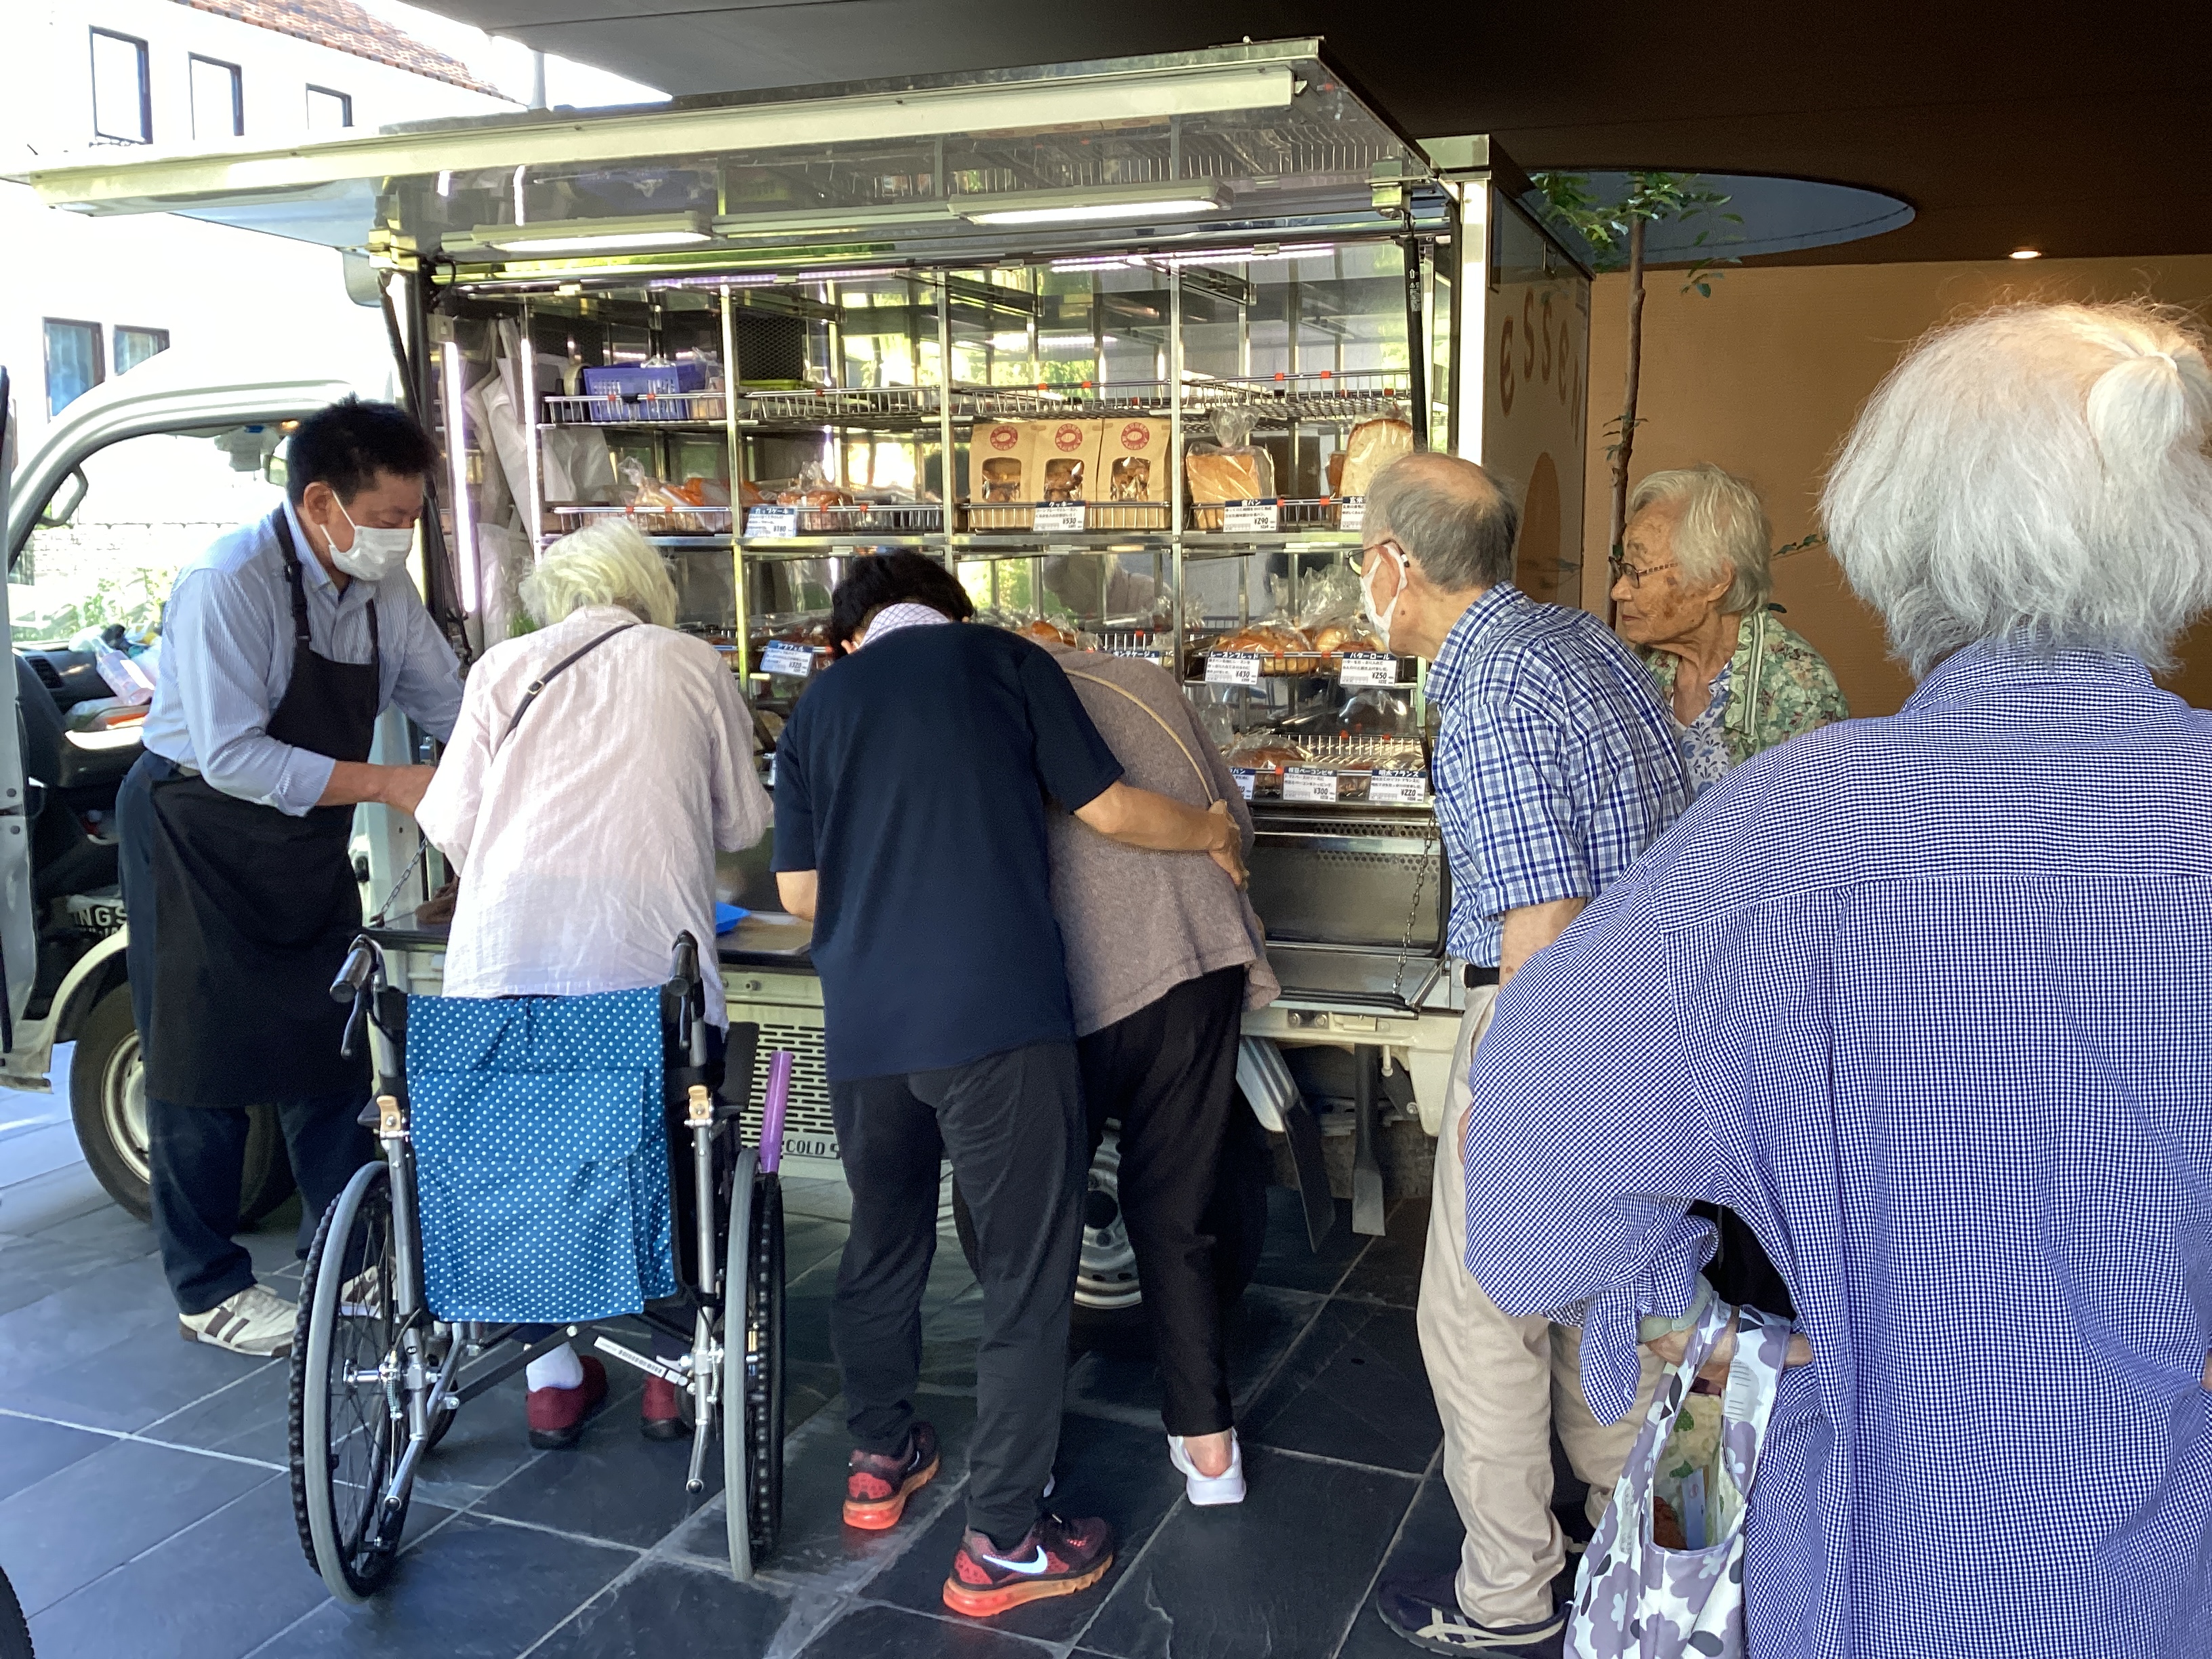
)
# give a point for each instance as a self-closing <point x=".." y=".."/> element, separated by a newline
<point x="256" y="1322"/>
<point x="361" y="1295"/>
<point x="1227" y="1487"/>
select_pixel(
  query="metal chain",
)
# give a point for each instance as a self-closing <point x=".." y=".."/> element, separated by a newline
<point x="422" y="846"/>
<point x="1413" y="915"/>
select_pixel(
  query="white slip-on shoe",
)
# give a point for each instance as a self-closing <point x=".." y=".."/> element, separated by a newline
<point x="256" y="1322"/>
<point x="1227" y="1487"/>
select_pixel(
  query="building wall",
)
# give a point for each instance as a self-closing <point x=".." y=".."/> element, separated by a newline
<point x="215" y="289"/>
<point x="1765" y="378"/>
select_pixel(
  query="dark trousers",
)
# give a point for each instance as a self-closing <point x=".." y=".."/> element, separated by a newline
<point x="1169" y="1073"/>
<point x="1012" y="1125"/>
<point x="197" y="1154"/>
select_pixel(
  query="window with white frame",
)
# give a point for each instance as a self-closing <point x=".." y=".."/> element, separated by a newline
<point x="328" y="111"/>
<point x="122" y="93"/>
<point x="218" y="99"/>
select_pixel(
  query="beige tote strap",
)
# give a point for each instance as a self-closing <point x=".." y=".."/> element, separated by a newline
<point x="1205" y="778"/>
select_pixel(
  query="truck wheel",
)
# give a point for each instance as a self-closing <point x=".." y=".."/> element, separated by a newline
<point x="107" y="1100"/>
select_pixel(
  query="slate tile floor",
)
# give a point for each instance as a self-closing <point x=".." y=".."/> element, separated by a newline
<point x="145" y="1510"/>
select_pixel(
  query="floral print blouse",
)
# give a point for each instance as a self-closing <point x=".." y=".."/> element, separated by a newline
<point x="1786" y="688"/>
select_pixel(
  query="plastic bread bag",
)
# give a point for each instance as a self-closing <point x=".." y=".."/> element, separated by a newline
<point x="1370" y="447"/>
<point x="1230" y="469"/>
<point x="660" y="505"/>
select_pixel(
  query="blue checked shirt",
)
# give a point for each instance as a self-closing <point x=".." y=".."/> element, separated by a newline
<point x="1928" y="1001"/>
<point x="1555" y="766"/>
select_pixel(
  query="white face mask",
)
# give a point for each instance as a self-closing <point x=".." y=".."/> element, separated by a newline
<point x="1381" y="618"/>
<point x="375" y="554"/>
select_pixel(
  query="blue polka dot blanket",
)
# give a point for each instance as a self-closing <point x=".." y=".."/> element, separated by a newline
<point x="541" y="1155"/>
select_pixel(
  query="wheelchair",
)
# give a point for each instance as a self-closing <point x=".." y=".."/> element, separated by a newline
<point x="377" y="1376"/>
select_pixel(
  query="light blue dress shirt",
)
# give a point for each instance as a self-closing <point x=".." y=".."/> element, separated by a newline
<point x="226" y="650"/>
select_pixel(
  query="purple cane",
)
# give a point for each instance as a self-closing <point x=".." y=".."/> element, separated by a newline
<point x="773" y="1106"/>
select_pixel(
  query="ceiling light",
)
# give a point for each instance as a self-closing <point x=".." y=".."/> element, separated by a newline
<point x="1075" y="207"/>
<point x="589" y="235"/>
<point x="2026" y="253"/>
<point x="833" y="221"/>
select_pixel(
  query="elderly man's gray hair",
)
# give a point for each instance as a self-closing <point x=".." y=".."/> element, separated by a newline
<point x="1720" y="531"/>
<point x="1450" y="516"/>
<point x="604" y="563"/>
<point x="2036" y="475"/>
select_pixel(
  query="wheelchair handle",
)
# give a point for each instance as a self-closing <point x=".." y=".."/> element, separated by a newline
<point x="774" y="1104"/>
<point x="359" y="969"/>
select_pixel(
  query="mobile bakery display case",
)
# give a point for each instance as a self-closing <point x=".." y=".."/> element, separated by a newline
<point x="1121" y="342"/>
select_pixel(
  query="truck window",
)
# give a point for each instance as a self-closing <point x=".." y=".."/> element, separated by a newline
<point x="150" y="506"/>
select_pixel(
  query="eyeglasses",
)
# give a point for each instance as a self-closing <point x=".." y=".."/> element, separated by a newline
<point x="1633" y="574"/>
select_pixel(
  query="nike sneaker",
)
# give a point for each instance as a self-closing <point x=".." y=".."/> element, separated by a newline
<point x="1058" y="1558"/>
<point x="878" y="1486"/>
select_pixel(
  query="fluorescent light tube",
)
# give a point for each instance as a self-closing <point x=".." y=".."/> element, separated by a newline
<point x="608" y="243"/>
<point x="591" y="235"/>
<point x="1090" y="212"/>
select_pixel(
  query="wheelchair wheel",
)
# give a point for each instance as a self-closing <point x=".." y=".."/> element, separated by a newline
<point x="347" y="1432"/>
<point x="753" y="1367"/>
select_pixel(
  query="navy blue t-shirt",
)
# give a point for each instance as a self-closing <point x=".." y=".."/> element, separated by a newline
<point x="911" y="780"/>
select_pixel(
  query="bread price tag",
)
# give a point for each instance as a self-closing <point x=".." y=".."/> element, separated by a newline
<point x="1246" y="776"/>
<point x="1059" y="517"/>
<point x="1251" y="518"/>
<point x="1309" y="783"/>
<point x="1232" y="668"/>
<point x="777" y="521"/>
<point x="782" y="657"/>
<point x="1352" y="512"/>
<point x="1366" y="668"/>
<point x="1398" y="789"/>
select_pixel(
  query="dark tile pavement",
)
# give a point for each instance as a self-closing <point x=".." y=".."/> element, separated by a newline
<point x="145" y="1508"/>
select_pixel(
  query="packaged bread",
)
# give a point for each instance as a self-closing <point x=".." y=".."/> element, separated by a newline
<point x="1334" y="639"/>
<point x="1372" y="446"/>
<point x="1268" y="639"/>
<point x="998" y="462"/>
<point x="1133" y="453"/>
<point x="1065" y="455"/>
<point x="1266" y="754"/>
<point x="1045" y="631"/>
<point x="1220" y="475"/>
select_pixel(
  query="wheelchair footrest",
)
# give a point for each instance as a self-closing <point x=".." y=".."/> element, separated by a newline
<point x="650" y="1366"/>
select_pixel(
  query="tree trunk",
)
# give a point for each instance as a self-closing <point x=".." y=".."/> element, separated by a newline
<point x="1622" y="450"/>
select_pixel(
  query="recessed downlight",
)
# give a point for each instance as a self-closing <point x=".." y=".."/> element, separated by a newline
<point x="2026" y="253"/>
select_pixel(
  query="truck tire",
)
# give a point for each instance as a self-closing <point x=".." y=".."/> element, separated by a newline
<point x="1107" y="1299"/>
<point x="107" y="1100"/>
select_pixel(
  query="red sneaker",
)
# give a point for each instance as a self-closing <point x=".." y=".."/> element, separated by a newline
<point x="1058" y="1558"/>
<point x="878" y="1486"/>
<point x="660" y="1414"/>
<point x="557" y="1416"/>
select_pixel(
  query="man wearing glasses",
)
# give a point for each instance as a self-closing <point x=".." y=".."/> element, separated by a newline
<point x="1555" y="767"/>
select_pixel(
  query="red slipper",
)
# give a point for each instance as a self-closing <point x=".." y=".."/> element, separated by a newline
<point x="557" y="1416"/>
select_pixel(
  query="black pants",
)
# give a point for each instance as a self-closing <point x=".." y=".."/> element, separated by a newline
<point x="1012" y="1124"/>
<point x="1169" y="1073"/>
<point x="197" y="1154"/>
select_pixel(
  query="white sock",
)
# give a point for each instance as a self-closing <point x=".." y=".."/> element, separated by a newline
<point x="559" y="1369"/>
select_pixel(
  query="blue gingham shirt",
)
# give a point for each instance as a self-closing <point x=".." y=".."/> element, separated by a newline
<point x="1928" y="1001"/>
<point x="1556" y="763"/>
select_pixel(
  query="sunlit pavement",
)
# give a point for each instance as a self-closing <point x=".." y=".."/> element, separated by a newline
<point x="145" y="1508"/>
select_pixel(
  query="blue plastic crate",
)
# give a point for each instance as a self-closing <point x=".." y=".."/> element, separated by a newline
<point x="644" y="380"/>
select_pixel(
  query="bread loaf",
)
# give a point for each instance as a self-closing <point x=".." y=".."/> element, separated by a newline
<point x="1372" y="446"/>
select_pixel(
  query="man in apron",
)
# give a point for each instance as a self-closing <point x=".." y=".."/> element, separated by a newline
<point x="281" y="645"/>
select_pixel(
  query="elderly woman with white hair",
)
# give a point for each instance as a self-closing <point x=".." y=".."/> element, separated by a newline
<point x="1926" y="999"/>
<point x="1690" y="591"/>
<point x="586" y="832"/>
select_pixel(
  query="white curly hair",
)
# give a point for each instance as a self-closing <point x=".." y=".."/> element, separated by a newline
<point x="604" y="563"/>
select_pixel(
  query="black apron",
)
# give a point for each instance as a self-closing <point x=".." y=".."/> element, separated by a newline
<point x="254" y="908"/>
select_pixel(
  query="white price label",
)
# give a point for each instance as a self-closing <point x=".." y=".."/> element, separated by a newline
<point x="1246" y="777"/>
<point x="1367" y="668"/>
<point x="1352" y="512"/>
<point x="1140" y="653"/>
<point x="1398" y="789"/>
<point x="1232" y="668"/>
<point x="782" y="657"/>
<point x="1061" y="516"/>
<point x="1251" y="518"/>
<point x="772" y="521"/>
<point x="1309" y="783"/>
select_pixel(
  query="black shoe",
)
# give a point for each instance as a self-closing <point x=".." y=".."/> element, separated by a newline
<point x="1425" y="1612"/>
